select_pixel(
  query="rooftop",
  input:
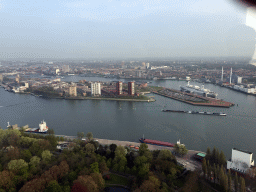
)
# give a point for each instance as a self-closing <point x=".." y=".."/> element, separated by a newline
<point x="201" y="154"/>
<point x="244" y="151"/>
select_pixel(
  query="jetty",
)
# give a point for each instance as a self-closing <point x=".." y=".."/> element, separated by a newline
<point x="193" y="99"/>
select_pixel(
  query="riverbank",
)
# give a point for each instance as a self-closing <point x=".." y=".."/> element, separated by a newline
<point x="187" y="160"/>
<point x="112" y="99"/>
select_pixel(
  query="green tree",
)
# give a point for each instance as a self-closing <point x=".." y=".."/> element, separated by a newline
<point x="143" y="148"/>
<point x="208" y="154"/>
<point x="229" y="181"/>
<point x="115" y="167"/>
<point x="97" y="178"/>
<point x="26" y="155"/>
<point x="214" y="158"/>
<point x="103" y="167"/>
<point x="209" y="172"/>
<point x="18" y="165"/>
<point x="152" y="184"/>
<point x="122" y="161"/>
<point x="204" y="166"/>
<point x="222" y="159"/>
<point x="95" y="167"/>
<point x="53" y="141"/>
<point x="109" y="163"/>
<point x="46" y="156"/>
<point x="143" y="170"/>
<point x="214" y="172"/>
<point x="236" y="182"/>
<point x="121" y="169"/>
<point x="50" y="132"/>
<point x="34" y="161"/>
<point x="218" y="172"/>
<point x="53" y="186"/>
<point x="120" y="152"/>
<point x="180" y="149"/>
<point x="89" y="136"/>
<point x="26" y="142"/>
<point x="89" y="149"/>
<point x="140" y="160"/>
<point x="191" y="183"/>
<point x="242" y="185"/>
<point x="66" y="188"/>
<point x="112" y="147"/>
<point x="166" y="154"/>
<point x="134" y="170"/>
<point x="217" y="158"/>
<point x="80" y="135"/>
<point x="225" y="182"/>
<point x="127" y="170"/>
<point x="72" y="176"/>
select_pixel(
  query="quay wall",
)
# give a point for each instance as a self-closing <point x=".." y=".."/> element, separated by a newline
<point x="212" y="102"/>
<point x="128" y="143"/>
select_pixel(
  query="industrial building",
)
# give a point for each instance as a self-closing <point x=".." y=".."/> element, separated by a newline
<point x="95" y="89"/>
<point x="240" y="161"/>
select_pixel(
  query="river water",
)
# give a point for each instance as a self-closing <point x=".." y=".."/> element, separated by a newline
<point x="119" y="120"/>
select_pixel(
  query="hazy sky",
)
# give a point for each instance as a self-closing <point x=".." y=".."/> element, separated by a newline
<point x="123" y="29"/>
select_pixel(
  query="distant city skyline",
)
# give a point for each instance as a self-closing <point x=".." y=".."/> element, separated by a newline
<point x="124" y="29"/>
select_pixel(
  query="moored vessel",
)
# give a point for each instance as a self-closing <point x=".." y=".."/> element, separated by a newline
<point x="195" y="112"/>
<point x="159" y="143"/>
<point x="201" y="91"/>
<point x="42" y="128"/>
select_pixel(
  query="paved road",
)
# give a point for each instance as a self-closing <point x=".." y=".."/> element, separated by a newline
<point x="188" y="160"/>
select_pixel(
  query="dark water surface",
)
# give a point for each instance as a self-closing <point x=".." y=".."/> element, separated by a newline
<point x="129" y="120"/>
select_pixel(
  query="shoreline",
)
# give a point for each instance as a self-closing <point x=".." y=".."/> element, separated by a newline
<point x="211" y="102"/>
<point x="95" y="98"/>
<point x="187" y="160"/>
<point x="127" y="143"/>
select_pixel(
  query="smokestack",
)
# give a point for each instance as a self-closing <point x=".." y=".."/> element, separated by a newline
<point x="222" y="74"/>
<point x="230" y="76"/>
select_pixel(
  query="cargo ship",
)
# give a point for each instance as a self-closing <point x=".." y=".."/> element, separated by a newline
<point x="195" y="112"/>
<point x="42" y="128"/>
<point x="201" y="91"/>
<point x="159" y="143"/>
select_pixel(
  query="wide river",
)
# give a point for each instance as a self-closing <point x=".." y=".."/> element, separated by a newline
<point x="128" y="121"/>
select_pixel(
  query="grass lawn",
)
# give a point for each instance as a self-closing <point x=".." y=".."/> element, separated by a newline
<point x="116" y="179"/>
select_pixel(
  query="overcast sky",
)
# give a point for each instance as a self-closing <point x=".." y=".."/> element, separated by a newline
<point x="123" y="29"/>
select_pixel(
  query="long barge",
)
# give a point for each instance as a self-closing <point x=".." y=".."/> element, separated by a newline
<point x="196" y="112"/>
<point x="155" y="142"/>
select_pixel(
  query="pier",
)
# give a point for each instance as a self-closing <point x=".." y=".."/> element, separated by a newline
<point x="193" y="99"/>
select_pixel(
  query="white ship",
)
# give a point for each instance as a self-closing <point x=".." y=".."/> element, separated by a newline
<point x="194" y="89"/>
<point x="42" y="128"/>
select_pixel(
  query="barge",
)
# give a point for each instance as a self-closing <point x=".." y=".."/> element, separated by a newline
<point x="196" y="112"/>
<point x="155" y="142"/>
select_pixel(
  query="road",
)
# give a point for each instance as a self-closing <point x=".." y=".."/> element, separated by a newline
<point x="187" y="161"/>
